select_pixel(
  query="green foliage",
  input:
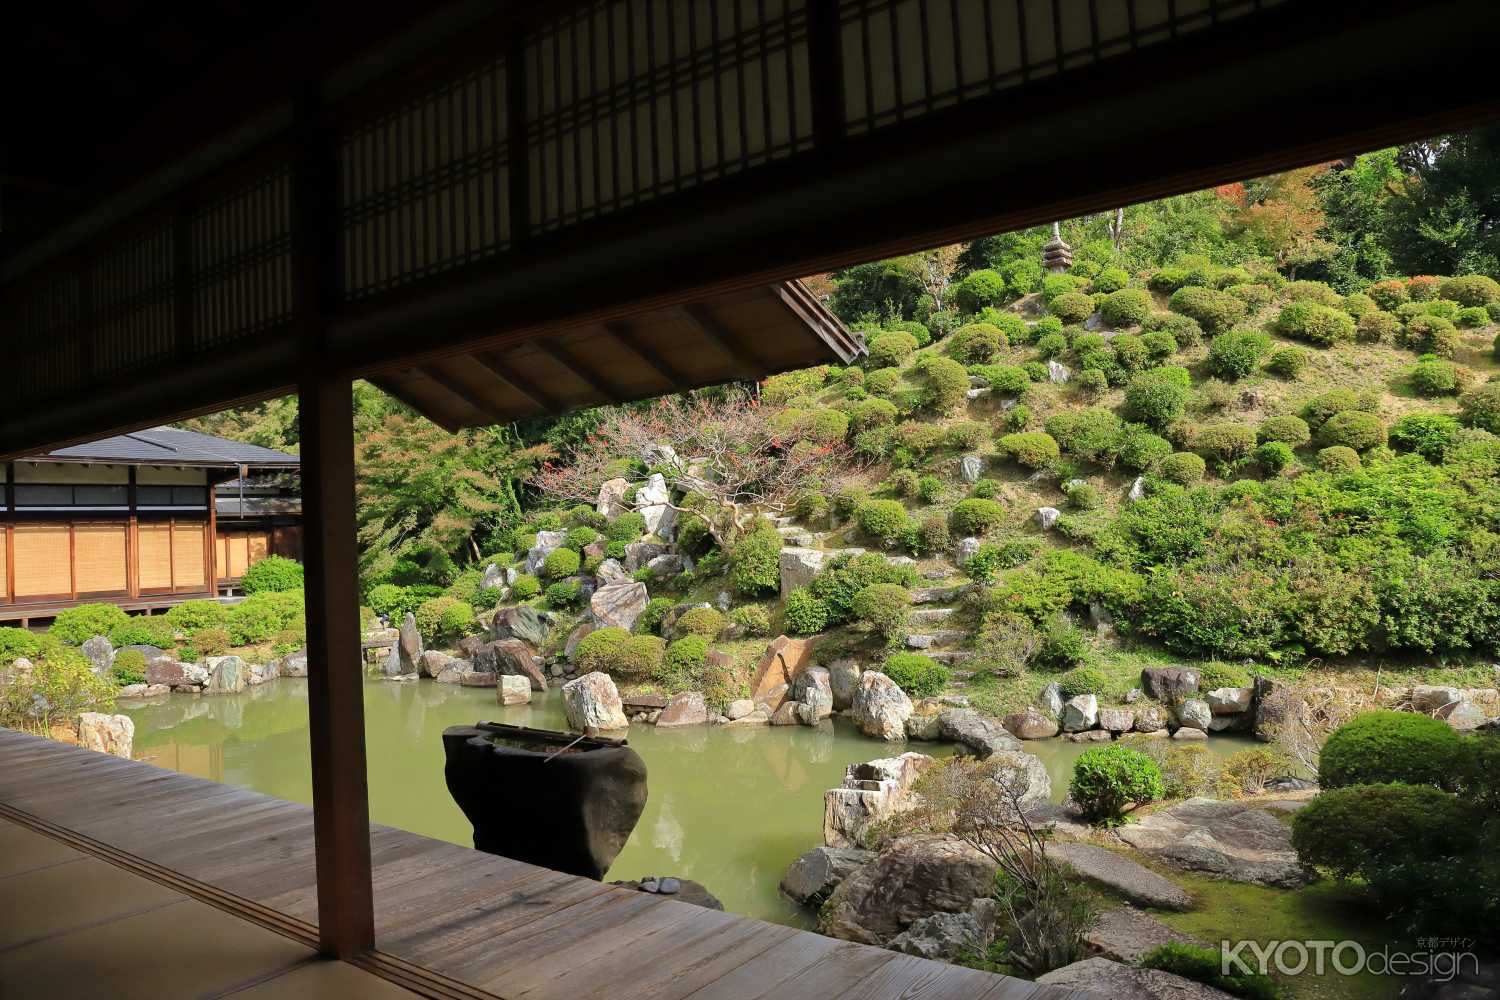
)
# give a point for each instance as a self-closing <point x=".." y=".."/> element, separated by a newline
<point x="1480" y="407"/>
<point x="985" y="489"/>
<point x="975" y="516"/>
<point x="16" y="642"/>
<point x="1383" y="746"/>
<point x="1072" y="307"/>
<point x="1318" y="409"/>
<point x="1255" y="297"/>
<point x="930" y="489"/>
<point x="1388" y="294"/>
<point x="580" y="537"/>
<point x="1182" y="467"/>
<point x="1428" y="334"/>
<point x="778" y="389"/>
<point x="753" y="618"/>
<point x="1317" y="324"/>
<point x="917" y="675"/>
<point x="1007" y="380"/>
<point x="1225" y="442"/>
<point x="1310" y="291"/>
<point x="979" y="289"/>
<point x="1109" y="780"/>
<point x="1032" y="449"/>
<point x="1083" y="680"/>
<point x="213" y="641"/>
<point x="1130" y="352"/>
<point x="932" y="535"/>
<point x="1125" y="307"/>
<point x="1433" y="377"/>
<point x="947" y="384"/>
<point x="1091" y="434"/>
<point x="1354" y="429"/>
<point x="626" y="527"/>
<point x="1111" y="279"/>
<point x="1338" y="459"/>
<point x="560" y="563"/>
<point x="1431" y="435"/>
<point x="1139" y="449"/>
<point x="883" y="608"/>
<point x="598" y="649"/>
<point x="1183" y="329"/>
<point x="805" y="613"/>
<point x="260" y="616"/>
<point x="1206" y="966"/>
<point x="1237" y="353"/>
<point x="1083" y="496"/>
<point x="1363" y="831"/>
<point x="526" y="587"/>
<point x="976" y="344"/>
<point x="142" y="630"/>
<point x="965" y="435"/>
<point x="1473" y="317"/>
<point x="1471" y="290"/>
<point x="1273" y="456"/>
<point x="705" y="622"/>
<point x="59" y="686"/>
<point x="845" y="576"/>
<point x="1159" y="395"/>
<point x="755" y="562"/>
<point x="884" y="520"/>
<point x="1213" y="310"/>
<point x="1063" y="645"/>
<point x="445" y="619"/>
<point x="881" y="382"/>
<point x="1050" y="345"/>
<point x="1377" y="328"/>
<point x="77" y="625"/>
<point x="191" y="617"/>
<point x="1159" y="344"/>
<point x="1286" y="428"/>
<point x="892" y="348"/>
<point x="129" y="667"/>
<point x="273" y="573"/>
<point x="1288" y="362"/>
<point x="685" y="657"/>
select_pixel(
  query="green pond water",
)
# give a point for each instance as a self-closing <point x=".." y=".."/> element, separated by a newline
<point x="730" y="808"/>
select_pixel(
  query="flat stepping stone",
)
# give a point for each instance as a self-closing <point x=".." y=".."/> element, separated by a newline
<point x="1103" y="977"/>
<point x="1127" y="934"/>
<point x="1230" y="840"/>
<point x="938" y="595"/>
<point x="931" y="616"/>
<point x="1134" y="881"/>
<point x="950" y="657"/>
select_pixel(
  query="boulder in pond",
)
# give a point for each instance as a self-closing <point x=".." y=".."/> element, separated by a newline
<point x="843" y="678"/>
<point x="813" y="876"/>
<point x="914" y="877"/>
<point x="1231" y="840"/>
<point x="259" y="673"/>
<point x="880" y="708"/>
<point x="226" y="675"/>
<point x="739" y="708"/>
<point x="1194" y="713"/>
<point x="294" y="664"/>
<point x="512" y="656"/>
<point x="619" y="604"/>
<point x="101" y="654"/>
<point x="520" y="622"/>
<point x="1116" y="720"/>
<point x="1080" y="712"/>
<point x="982" y="735"/>
<point x="686" y="708"/>
<point x="1104" y="977"/>
<point x="592" y="703"/>
<point x="869" y="793"/>
<point x="950" y="936"/>
<point x="111" y="734"/>
<point x="1230" y="700"/>
<point x="777" y="670"/>
<point x="1150" y="719"/>
<point x="174" y="673"/>
<point x="478" y="678"/>
<point x="813" y="688"/>
<point x="431" y="663"/>
<point x="1032" y="724"/>
<point x="513" y="689"/>
<point x="1169" y="684"/>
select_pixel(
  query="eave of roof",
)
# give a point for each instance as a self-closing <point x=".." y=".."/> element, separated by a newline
<point x="171" y="446"/>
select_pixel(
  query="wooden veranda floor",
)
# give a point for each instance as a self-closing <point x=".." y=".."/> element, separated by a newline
<point x="450" y="921"/>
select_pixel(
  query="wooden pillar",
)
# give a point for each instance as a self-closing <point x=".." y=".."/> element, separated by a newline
<point x="336" y="716"/>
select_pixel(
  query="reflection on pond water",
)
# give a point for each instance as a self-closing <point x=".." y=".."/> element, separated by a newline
<point x="730" y="808"/>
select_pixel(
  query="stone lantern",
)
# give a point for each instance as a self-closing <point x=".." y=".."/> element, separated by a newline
<point x="1057" y="256"/>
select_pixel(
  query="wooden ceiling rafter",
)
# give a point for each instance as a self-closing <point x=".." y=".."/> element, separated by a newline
<point x="623" y="334"/>
<point x="519" y="384"/>
<point x="456" y="389"/>
<point x="704" y="322"/>
<point x="580" y="371"/>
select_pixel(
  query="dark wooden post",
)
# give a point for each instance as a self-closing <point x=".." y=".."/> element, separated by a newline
<point x="335" y="703"/>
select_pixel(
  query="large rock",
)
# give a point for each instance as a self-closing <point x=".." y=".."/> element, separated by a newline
<point x="111" y="734"/>
<point x="294" y="664"/>
<point x="1464" y="716"/>
<point x="912" y="878"/>
<point x="226" y="675"/>
<point x="513" y="690"/>
<point x="260" y="673"/>
<point x="1134" y="882"/>
<point x="1032" y="724"/>
<point x="1127" y="934"/>
<point x="493" y="578"/>
<point x="1150" y="719"/>
<point x="660" y="518"/>
<point x="966" y="549"/>
<point x="880" y="708"/>
<point x="592" y="702"/>
<point x="1137" y="489"/>
<point x="654" y="492"/>
<point x="408" y="647"/>
<point x="547" y="542"/>
<point x="1046" y="517"/>
<point x="611" y="502"/>
<point x="619" y="604"/>
<point x="981" y="735"/>
<point x="666" y="566"/>
<point x="814" y="691"/>
<point x="843" y="678"/>
<point x="101" y="654"/>
<point x="431" y="663"/>
<point x="1230" y="700"/>
<point x="1169" y="684"/>
<point x="1103" y="977"/>
<point x="611" y="571"/>
<point x="1427" y="698"/>
<point x="470" y="677"/>
<point x="1232" y="840"/>
<point x="1058" y="372"/>
<point x="580" y="632"/>
<point x="638" y="554"/>
<point x="514" y="657"/>
<point x="950" y="936"/>
<point x="970" y="468"/>
<point x="1080" y="712"/>
<point x="776" y="672"/>
<point x="520" y="622"/>
<point x="1050" y="700"/>
<point x="174" y="673"/>
<point x="814" y="875"/>
<point x="798" y="567"/>
<point x="870" y="792"/>
<point x="1194" y="714"/>
<point x="686" y="708"/>
<point x="1116" y="720"/>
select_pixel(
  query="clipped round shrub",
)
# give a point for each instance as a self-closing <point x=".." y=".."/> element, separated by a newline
<point x="1289" y="362"/>
<point x="965" y="435"/>
<point x="1388" y="294"/>
<point x="1226" y="442"/>
<point x="1338" y="459"/>
<point x="273" y="573"/>
<point x="975" y="516"/>
<point x="1286" y="429"/>
<point x="430" y="616"/>
<point x="1159" y="395"/>
<point x="882" y="381"/>
<point x="1317" y="324"/>
<point x="1317" y="410"/>
<point x="1183" y="329"/>
<point x="648" y="622"/>
<point x="1381" y="747"/>
<point x="1091" y="433"/>
<point x="755" y="562"/>
<point x="129" y="667"/>
<point x="1111" y="279"/>
<point x="560" y="563"/>
<point x="260" y="616"/>
<point x="1083" y="680"/>
<point x="140" y="630"/>
<point x="1473" y="317"/>
<point x="1310" y="291"/>
<point x="1139" y="449"/>
<point x="947" y="384"/>
<point x="1125" y="307"/>
<point x="580" y="536"/>
<point x="1273" y="456"/>
<point x="213" y="641"/>
<point x="1423" y="287"/>
<point x="985" y="489"/>
<point x="1431" y="335"/>
<point x="930" y="489"/>
<point x="919" y="676"/>
<point x="78" y="625"/>
<point x="639" y="657"/>
<point x="1480" y="407"/>
<point x="1050" y="345"/>
<point x="1183" y="468"/>
<point x="882" y="519"/>
<point x="705" y="622"/>
<point x="753" y="618"/>
<point x="626" y="528"/>
<point x="1083" y="496"/>
<point x="933" y="535"/>
<point x="903" y="482"/>
<point x="1215" y="311"/>
<point x="1091" y="382"/>
<point x="1072" y="307"/>
<point x="917" y="437"/>
<point x="891" y="348"/>
<point x="1159" y="344"/>
<point x="1377" y="328"/>
<point x="1431" y="435"/>
<point x="1007" y="380"/>
<point x="805" y="614"/>
<point x="684" y="658"/>
<point x="1364" y="831"/>
<point x="871" y="413"/>
<point x="524" y="589"/>
<point x="976" y="343"/>
<point x="1434" y="377"/>
<point x="1471" y="290"/>
<point x="1354" y="429"/>
<point x="979" y="289"/>
<point x="1254" y="296"/>
<point x="1109" y="780"/>
<point x="884" y="608"/>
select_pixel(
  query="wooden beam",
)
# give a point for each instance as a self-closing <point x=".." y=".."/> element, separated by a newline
<point x="574" y="364"/>
<point x="705" y="324"/>
<point x="627" y="338"/>
<point x="335" y="686"/>
<point x="454" y="388"/>
<point x="492" y="363"/>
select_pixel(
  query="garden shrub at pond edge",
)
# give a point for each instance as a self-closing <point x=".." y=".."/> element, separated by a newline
<point x="76" y="626"/>
<point x="1384" y="746"/>
<point x="1108" y="780"/>
<point x="273" y="573"/>
<point x="919" y="676"/>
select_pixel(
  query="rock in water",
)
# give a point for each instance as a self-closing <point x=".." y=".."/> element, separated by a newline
<point x="592" y="702"/>
<point x="226" y="675"/>
<point x="111" y="734"/>
<point x="101" y="654"/>
<point x="983" y="736"/>
<point x="1050" y="701"/>
<point x="814" y="690"/>
<point x="1232" y="840"/>
<point x="513" y="689"/>
<point x="870" y="792"/>
<point x="619" y="604"/>
<point x="1081" y="712"/>
<point x="1116" y="720"/>
<point x="1230" y="700"/>
<point x="512" y="656"/>
<point x="880" y="708"/>
<point x="408" y="646"/>
<point x="1194" y="714"/>
<point x="687" y="708"/>
<point x="1151" y="719"/>
<point x="843" y="678"/>
<point x="1032" y="724"/>
<point x="912" y="878"/>
<point x="817" y="873"/>
<point x="431" y="663"/>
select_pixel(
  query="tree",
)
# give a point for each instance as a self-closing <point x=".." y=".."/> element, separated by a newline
<point x="1444" y="217"/>
<point x="730" y="458"/>
<point x="938" y="268"/>
<point x="1281" y="217"/>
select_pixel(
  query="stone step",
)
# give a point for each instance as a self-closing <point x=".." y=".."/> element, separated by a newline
<point x="951" y="657"/>
<point x="783" y="521"/>
<point x="931" y="616"/>
<point x="938" y="595"/>
<point x="935" y="638"/>
<point x="1130" y="879"/>
<point x="1127" y="934"/>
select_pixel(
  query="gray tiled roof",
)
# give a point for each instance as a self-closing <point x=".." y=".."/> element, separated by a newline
<point x="170" y="446"/>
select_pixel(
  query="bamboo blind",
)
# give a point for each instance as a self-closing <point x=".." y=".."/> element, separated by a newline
<point x="155" y="556"/>
<point x="4" y="563"/>
<point x="221" y="557"/>
<point x="239" y="550"/>
<point x="99" y="558"/>
<point x="187" y="556"/>
<point x="42" y="564"/>
<point x="258" y="546"/>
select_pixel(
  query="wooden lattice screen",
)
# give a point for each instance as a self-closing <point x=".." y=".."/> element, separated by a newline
<point x="42" y="561"/>
<point x="154" y="545"/>
<point x="99" y="558"/>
